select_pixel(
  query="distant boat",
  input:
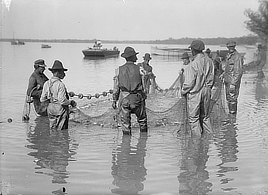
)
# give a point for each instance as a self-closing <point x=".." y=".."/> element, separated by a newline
<point x="17" y="42"/>
<point x="45" y="46"/>
<point x="169" y="51"/>
<point x="98" y="51"/>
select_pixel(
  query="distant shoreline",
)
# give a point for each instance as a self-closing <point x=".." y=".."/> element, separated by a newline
<point x="245" y="40"/>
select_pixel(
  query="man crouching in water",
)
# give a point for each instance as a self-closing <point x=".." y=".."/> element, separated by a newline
<point x="55" y="91"/>
<point x="199" y="78"/>
<point x="129" y="92"/>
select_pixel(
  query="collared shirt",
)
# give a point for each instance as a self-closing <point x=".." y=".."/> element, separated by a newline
<point x="55" y="91"/>
<point x="199" y="73"/>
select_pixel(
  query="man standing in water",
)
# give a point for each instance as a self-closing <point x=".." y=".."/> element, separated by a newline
<point x="55" y="91"/>
<point x="35" y="86"/>
<point x="129" y="92"/>
<point x="261" y="60"/>
<point x="147" y="70"/>
<point x="232" y="76"/>
<point x="199" y="78"/>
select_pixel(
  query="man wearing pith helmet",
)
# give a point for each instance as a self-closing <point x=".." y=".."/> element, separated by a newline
<point x="199" y="78"/>
<point x="232" y="76"/>
<point x="129" y="92"/>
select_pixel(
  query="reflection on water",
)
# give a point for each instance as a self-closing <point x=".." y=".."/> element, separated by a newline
<point x="51" y="150"/>
<point x="193" y="177"/>
<point x="227" y="145"/>
<point x="128" y="168"/>
<point x="260" y="91"/>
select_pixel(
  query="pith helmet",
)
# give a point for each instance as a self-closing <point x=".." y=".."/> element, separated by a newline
<point x="57" y="66"/>
<point x="231" y="43"/>
<point x="129" y="51"/>
<point x="197" y="45"/>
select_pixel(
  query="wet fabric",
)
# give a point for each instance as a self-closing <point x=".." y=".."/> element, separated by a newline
<point x="232" y="78"/>
<point x="58" y="116"/>
<point x="132" y="104"/>
<point x="58" y="110"/>
<point x="34" y="80"/>
<point x="199" y="80"/>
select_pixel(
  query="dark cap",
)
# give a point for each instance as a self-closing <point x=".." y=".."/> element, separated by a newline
<point x="259" y="45"/>
<point x="129" y="51"/>
<point x="147" y="56"/>
<point x="57" y="66"/>
<point x="185" y="55"/>
<point x="197" y="45"/>
<point x="231" y="43"/>
<point x="40" y="62"/>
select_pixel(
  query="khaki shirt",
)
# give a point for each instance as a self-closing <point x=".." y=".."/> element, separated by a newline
<point x="199" y="73"/>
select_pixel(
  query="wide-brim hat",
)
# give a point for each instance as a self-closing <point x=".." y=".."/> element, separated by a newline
<point x="129" y="51"/>
<point x="147" y="56"/>
<point x="208" y="50"/>
<point x="197" y="45"/>
<point x="231" y="43"/>
<point x="40" y="62"/>
<point x="185" y="55"/>
<point x="57" y="65"/>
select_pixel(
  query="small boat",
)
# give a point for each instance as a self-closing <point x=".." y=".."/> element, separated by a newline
<point x="45" y="46"/>
<point x="169" y="51"/>
<point x="17" y="42"/>
<point x="98" y="51"/>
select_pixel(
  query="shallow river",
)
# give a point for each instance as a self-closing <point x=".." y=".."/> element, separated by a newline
<point x="90" y="159"/>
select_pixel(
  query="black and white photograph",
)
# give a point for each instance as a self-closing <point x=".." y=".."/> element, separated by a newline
<point x="145" y="97"/>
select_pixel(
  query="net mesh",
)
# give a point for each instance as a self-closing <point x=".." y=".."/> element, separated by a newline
<point x="164" y="107"/>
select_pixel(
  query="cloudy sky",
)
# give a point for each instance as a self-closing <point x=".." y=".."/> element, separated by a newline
<point x="124" y="19"/>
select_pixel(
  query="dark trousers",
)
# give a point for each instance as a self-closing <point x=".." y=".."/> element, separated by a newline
<point x="231" y="97"/>
<point x="132" y="104"/>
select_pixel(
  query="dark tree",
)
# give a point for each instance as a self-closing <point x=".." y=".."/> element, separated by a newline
<point x="258" y="21"/>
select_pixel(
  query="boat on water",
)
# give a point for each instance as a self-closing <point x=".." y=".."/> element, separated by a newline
<point x="17" y="42"/>
<point x="45" y="46"/>
<point x="169" y="51"/>
<point x="98" y="51"/>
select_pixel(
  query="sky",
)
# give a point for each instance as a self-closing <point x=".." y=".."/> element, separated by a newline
<point x="124" y="19"/>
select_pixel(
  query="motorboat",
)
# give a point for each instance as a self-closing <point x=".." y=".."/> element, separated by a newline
<point x="45" y="46"/>
<point x="98" y="51"/>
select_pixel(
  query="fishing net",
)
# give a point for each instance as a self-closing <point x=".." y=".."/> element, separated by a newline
<point x="164" y="107"/>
